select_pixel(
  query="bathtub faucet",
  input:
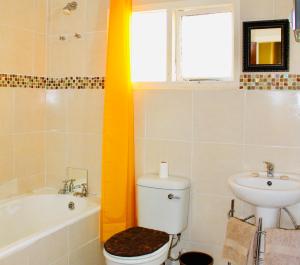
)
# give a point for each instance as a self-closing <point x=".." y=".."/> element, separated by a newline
<point x="84" y="191"/>
<point x="68" y="186"/>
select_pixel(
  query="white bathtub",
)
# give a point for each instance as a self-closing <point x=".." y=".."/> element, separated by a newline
<point x="29" y="219"/>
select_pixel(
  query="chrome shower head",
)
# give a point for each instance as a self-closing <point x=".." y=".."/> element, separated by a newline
<point x="70" y="7"/>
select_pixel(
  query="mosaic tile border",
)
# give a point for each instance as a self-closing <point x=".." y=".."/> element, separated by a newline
<point x="270" y="81"/>
<point x="25" y="81"/>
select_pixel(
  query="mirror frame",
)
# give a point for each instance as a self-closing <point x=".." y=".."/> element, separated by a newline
<point x="266" y="24"/>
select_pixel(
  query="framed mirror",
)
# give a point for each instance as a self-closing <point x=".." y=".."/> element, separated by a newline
<point x="266" y="46"/>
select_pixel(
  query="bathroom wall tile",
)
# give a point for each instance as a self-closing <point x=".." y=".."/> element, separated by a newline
<point x="56" y="110"/>
<point x="139" y="113"/>
<point x="85" y="110"/>
<point x="272" y="118"/>
<point x="16" y="50"/>
<point x="90" y="254"/>
<point x="20" y="257"/>
<point x="177" y="154"/>
<point x="257" y="10"/>
<point x="83" y="232"/>
<point x="49" y="249"/>
<point x="97" y="15"/>
<point x="41" y="16"/>
<point x="209" y="218"/>
<point x="85" y="151"/>
<point x="213" y="164"/>
<point x="218" y="116"/>
<point x="56" y="170"/>
<point x="30" y="183"/>
<point x="139" y="157"/>
<point x="18" y="13"/>
<point x="60" y="23"/>
<point x="29" y="110"/>
<point x="6" y="158"/>
<point x="40" y="52"/>
<point x="6" y="111"/>
<point x="61" y="261"/>
<point x="66" y="58"/>
<point x="96" y="53"/>
<point x="283" y="8"/>
<point x="284" y="159"/>
<point x="29" y="154"/>
<point x="169" y="114"/>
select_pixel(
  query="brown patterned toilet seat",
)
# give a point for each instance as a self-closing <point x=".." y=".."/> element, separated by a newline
<point x="136" y="241"/>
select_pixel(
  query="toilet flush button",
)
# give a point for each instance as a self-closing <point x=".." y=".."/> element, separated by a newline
<point x="173" y="197"/>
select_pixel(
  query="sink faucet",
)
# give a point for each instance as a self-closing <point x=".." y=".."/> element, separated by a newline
<point x="270" y="169"/>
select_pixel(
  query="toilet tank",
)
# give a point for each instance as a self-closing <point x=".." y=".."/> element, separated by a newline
<point x="163" y="203"/>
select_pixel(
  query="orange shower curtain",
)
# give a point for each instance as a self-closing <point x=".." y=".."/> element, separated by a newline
<point x="118" y="180"/>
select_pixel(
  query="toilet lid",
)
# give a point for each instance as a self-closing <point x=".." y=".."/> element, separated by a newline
<point x="136" y="241"/>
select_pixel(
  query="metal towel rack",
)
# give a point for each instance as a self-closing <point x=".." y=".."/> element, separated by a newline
<point x="260" y="232"/>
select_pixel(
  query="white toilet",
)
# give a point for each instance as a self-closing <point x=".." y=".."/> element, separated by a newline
<point x="163" y="205"/>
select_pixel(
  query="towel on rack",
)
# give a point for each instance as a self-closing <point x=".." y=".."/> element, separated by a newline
<point x="282" y="247"/>
<point x="239" y="242"/>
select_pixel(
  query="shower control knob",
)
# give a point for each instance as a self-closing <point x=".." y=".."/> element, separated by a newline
<point x="173" y="197"/>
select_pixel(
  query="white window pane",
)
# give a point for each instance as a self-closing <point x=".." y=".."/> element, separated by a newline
<point x="149" y="46"/>
<point x="207" y="46"/>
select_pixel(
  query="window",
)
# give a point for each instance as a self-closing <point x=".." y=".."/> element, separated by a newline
<point x="205" y="46"/>
<point x="149" y="46"/>
<point x="174" y="45"/>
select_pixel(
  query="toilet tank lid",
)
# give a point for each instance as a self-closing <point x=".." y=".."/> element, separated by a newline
<point x="170" y="183"/>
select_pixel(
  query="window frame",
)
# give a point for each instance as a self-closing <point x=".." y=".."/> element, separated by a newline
<point x="178" y="21"/>
<point x="172" y="9"/>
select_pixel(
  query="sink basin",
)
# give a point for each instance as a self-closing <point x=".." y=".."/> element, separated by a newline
<point x="261" y="191"/>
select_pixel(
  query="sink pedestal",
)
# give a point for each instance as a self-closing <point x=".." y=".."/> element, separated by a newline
<point x="270" y="217"/>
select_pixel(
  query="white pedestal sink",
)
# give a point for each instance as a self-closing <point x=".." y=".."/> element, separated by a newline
<point x="267" y="194"/>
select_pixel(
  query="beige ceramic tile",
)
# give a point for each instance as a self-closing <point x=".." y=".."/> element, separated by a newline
<point x="85" y="110"/>
<point x="209" y="218"/>
<point x="139" y="157"/>
<point x="56" y="110"/>
<point x="30" y="183"/>
<point x="61" y="261"/>
<point x="29" y="110"/>
<point x="257" y="10"/>
<point x="177" y="154"/>
<point x="16" y="51"/>
<point x="20" y="257"/>
<point x="85" y="151"/>
<point x="169" y="114"/>
<point x="40" y="23"/>
<point x="19" y="14"/>
<point x="6" y="158"/>
<point x="29" y="154"/>
<point x="97" y="15"/>
<point x="49" y="249"/>
<point x="6" y="111"/>
<point x="66" y="58"/>
<point x="55" y="159"/>
<point x="213" y="164"/>
<point x="218" y="116"/>
<point x="39" y="61"/>
<point x="84" y="231"/>
<point x="96" y="53"/>
<point x="272" y="118"/>
<point x="61" y="23"/>
<point x="90" y="254"/>
<point x="284" y="159"/>
<point x="139" y="113"/>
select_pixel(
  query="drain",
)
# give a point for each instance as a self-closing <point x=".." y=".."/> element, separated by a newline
<point x="71" y="205"/>
<point x="269" y="183"/>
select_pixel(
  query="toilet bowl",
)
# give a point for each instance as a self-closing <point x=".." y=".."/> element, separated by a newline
<point x="156" y="258"/>
<point x="163" y="206"/>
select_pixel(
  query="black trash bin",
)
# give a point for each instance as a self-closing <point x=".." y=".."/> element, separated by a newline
<point x="195" y="258"/>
